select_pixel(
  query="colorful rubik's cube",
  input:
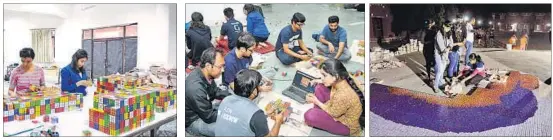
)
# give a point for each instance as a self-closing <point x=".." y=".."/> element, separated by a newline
<point x="165" y="100"/>
<point x="34" y="107"/>
<point x="111" y="83"/>
<point x="120" y="112"/>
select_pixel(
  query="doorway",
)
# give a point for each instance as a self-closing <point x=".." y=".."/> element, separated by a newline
<point x="111" y="49"/>
<point x="377" y="27"/>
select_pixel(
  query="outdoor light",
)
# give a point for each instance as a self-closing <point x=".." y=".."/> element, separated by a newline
<point x="479" y="22"/>
<point x="499" y="23"/>
<point x="466" y="18"/>
<point x="490" y="23"/>
<point x="548" y="24"/>
<point x="454" y="20"/>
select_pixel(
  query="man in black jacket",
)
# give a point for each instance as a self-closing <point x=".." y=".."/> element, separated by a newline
<point x="198" y="38"/>
<point x="201" y="90"/>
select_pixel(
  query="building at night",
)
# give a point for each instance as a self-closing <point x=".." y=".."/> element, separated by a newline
<point x="381" y="21"/>
<point x="521" y="22"/>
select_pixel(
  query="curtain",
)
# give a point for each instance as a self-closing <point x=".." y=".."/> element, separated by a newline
<point x="42" y="45"/>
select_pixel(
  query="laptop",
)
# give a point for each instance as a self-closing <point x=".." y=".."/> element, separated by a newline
<point x="300" y="87"/>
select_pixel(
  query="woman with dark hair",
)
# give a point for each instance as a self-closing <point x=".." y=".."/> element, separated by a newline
<point x="443" y="43"/>
<point x="27" y="76"/>
<point x="340" y="109"/>
<point x="256" y="24"/>
<point x="198" y="38"/>
<point x="73" y="76"/>
<point x="474" y="72"/>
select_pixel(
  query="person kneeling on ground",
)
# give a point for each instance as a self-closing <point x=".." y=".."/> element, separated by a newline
<point x="289" y="46"/>
<point x="201" y="90"/>
<point x="333" y="40"/>
<point x="337" y="110"/>
<point x="474" y="72"/>
<point x="239" y="115"/>
<point x="256" y="24"/>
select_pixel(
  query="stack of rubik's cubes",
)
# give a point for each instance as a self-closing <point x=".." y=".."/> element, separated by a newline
<point x="112" y="83"/>
<point x="121" y="112"/>
<point x="165" y="100"/>
<point x="35" y="107"/>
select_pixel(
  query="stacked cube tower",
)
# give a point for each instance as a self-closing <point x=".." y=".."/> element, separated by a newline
<point x="35" y="107"/>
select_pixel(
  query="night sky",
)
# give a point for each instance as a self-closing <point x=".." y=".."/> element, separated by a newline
<point x="412" y="16"/>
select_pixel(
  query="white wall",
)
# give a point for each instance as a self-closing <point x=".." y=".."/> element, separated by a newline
<point x="17" y="34"/>
<point x="214" y="12"/>
<point x="172" y="56"/>
<point x="153" y="30"/>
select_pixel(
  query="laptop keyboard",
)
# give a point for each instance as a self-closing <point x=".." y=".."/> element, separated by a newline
<point x="295" y="94"/>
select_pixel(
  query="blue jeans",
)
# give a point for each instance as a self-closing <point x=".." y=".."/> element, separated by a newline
<point x="288" y="59"/>
<point x="200" y="128"/>
<point x="469" y="45"/>
<point x="346" y="54"/>
<point x="439" y="69"/>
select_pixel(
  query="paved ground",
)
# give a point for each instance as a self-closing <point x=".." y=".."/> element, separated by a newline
<point x="537" y="63"/>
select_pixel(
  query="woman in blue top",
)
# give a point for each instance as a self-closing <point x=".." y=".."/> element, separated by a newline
<point x="256" y="24"/>
<point x="73" y="76"/>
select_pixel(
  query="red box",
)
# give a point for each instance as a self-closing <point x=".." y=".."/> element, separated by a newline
<point x="6" y="119"/>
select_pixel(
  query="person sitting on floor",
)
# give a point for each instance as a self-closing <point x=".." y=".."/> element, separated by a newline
<point x="198" y="38"/>
<point x="333" y="40"/>
<point x="256" y="24"/>
<point x="337" y="110"/>
<point x="290" y="47"/>
<point x="240" y="58"/>
<point x="473" y="73"/>
<point x="201" y="90"/>
<point x="239" y="115"/>
<point x="231" y="28"/>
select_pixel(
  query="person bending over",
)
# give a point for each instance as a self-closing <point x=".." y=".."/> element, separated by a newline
<point x="239" y="115"/>
<point x="73" y="76"/>
<point x="256" y="24"/>
<point x="27" y="76"/>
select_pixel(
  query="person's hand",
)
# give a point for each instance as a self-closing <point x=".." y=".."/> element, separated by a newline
<point x="330" y="48"/>
<point x="305" y="57"/>
<point x="12" y="94"/>
<point x="268" y="86"/>
<point x="82" y="83"/>
<point x="311" y="98"/>
<point x="279" y="118"/>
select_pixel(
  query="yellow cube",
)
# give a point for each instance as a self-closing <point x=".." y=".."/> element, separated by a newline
<point x="101" y="122"/>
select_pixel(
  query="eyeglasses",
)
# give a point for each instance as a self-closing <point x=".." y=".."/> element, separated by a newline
<point x="220" y="66"/>
<point x="301" y="24"/>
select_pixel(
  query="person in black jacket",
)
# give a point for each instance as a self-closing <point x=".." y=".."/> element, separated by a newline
<point x="198" y="38"/>
<point x="428" y="49"/>
<point x="201" y="90"/>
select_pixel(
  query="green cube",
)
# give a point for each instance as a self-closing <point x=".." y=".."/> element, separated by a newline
<point x="126" y="129"/>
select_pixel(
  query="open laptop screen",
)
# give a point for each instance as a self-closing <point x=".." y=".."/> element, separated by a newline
<point x="303" y="80"/>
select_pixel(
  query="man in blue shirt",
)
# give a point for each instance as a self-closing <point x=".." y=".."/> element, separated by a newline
<point x="240" y="58"/>
<point x="333" y="40"/>
<point x="231" y="28"/>
<point x="289" y="46"/>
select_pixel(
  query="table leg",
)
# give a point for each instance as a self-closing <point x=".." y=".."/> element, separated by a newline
<point x="153" y="132"/>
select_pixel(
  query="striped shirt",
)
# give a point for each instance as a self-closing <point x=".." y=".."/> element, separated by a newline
<point x="21" y="80"/>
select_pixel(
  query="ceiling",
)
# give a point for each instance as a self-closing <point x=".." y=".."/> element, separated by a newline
<point x="60" y="10"/>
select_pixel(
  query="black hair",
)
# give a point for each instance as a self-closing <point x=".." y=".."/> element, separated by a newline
<point x="81" y="53"/>
<point x="475" y="56"/>
<point x="245" y="82"/>
<point x="337" y="69"/>
<point x="442" y="29"/>
<point x="455" y="48"/>
<point x="245" y="40"/>
<point x="229" y="13"/>
<point x="258" y="9"/>
<point x="197" y="20"/>
<point x="298" y="17"/>
<point x="333" y="19"/>
<point x="249" y="8"/>
<point x="208" y="56"/>
<point x="27" y="53"/>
